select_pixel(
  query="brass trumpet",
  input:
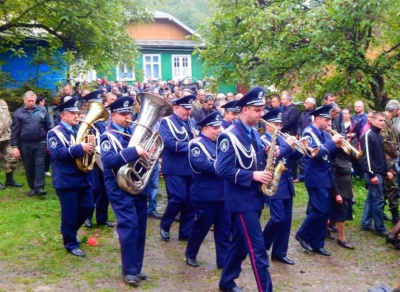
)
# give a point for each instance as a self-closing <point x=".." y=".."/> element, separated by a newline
<point x="346" y="146"/>
<point x="305" y="150"/>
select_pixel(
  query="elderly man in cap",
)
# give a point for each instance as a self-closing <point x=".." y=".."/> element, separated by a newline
<point x="277" y="231"/>
<point x="72" y="185"/>
<point x="241" y="163"/>
<point x="207" y="193"/>
<point x="131" y="211"/>
<point x="318" y="181"/>
<point x="176" y="131"/>
<point x="97" y="178"/>
<point x="230" y="113"/>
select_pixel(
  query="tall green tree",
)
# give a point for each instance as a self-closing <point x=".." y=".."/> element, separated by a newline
<point x="348" y="47"/>
<point x="93" y="31"/>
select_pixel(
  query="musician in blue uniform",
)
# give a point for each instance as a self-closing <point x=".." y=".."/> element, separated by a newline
<point x="130" y="210"/>
<point x="176" y="131"/>
<point x="241" y="163"/>
<point x="97" y="180"/>
<point x="207" y="193"/>
<point x="277" y="231"/>
<point x="318" y="181"/>
<point x="230" y="113"/>
<point x="72" y="185"/>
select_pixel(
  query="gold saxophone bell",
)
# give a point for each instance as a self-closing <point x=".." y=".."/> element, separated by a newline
<point x="96" y="112"/>
<point x="346" y="146"/>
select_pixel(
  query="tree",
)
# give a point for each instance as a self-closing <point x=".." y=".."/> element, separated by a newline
<point x="93" y="31"/>
<point x="348" y="47"/>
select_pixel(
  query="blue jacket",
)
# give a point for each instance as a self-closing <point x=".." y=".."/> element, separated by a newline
<point x="176" y="135"/>
<point x="285" y="188"/>
<point x="224" y="124"/>
<point x="318" y="168"/>
<point x="242" y="193"/>
<point x="63" y="153"/>
<point x="206" y="186"/>
<point x="114" y="154"/>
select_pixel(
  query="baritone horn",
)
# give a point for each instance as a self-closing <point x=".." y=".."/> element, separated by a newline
<point x="134" y="176"/>
<point x="96" y="112"/>
<point x="346" y="146"/>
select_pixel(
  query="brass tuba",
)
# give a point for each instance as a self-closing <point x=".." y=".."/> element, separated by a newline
<point x="96" y="112"/>
<point x="134" y="176"/>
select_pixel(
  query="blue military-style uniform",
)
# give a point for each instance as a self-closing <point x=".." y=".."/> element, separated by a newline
<point x="71" y="184"/>
<point x="97" y="179"/>
<point x="277" y="230"/>
<point x="130" y="211"/>
<point x="207" y="195"/>
<point x="318" y="181"/>
<point x="240" y="153"/>
<point x="176" y="135"/>
<point x="229" y="106"/>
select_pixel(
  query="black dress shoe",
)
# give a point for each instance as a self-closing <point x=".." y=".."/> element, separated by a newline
<point x="142" y="276"/>
<point x="88" y="223"/>
<point x="304" y="244"/>
<point x="322" y="251"/>
<point x="383" y="233"/>
<point x="131" y="280"/>
<point x="234" y="289"/>
<point x="164" y="234"/>
<point x="154" y="214"/>
<point x="329" y="235"/>
<point x="107" y="223"/>
<point x="393" y="241"/>
<point x="32" y="193"/>
<point x="344" y="244"/>
<point x="40" y="192"/>
<point x="283" y="260"/>
<point x="192" y="262"/>
<point x="78" y="252"/>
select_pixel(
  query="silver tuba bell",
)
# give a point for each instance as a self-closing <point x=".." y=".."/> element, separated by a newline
<point x="133" y="177"/>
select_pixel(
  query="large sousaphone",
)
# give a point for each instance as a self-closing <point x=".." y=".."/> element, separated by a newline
<point x="133" y="177"/>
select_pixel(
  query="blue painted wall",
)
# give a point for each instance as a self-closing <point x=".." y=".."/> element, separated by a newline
<point x="22" y="70"/>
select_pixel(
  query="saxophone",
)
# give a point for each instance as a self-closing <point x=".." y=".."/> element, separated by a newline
<point x="271" y="188"/>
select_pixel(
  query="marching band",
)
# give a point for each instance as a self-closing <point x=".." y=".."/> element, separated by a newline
<point x="215" y="172"/>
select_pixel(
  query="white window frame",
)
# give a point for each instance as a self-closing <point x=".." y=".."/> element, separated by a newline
<point x="152" y="63"/>
<point x="181" y="75"/>
<point x="119" y="78"/>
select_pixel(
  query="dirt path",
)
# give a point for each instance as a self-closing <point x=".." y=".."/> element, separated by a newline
<point x="372" y="263"/>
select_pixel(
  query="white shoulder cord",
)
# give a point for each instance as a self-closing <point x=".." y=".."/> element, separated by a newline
<point x="114" y="141"/>
<point x="315" y="138"/>
<point x="240" y="149"/>
<point x="63" y="139"/>
<point x="203" y="148"/>
<point x="175" y="131"/>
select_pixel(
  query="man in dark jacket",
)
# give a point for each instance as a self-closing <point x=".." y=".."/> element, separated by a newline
<point x="290" y="116"/>
<point x="375" y="167"/>
<point x="29" y="128"/>
<point x="304" y="121"/>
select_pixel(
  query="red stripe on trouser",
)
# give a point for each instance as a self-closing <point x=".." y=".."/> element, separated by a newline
<point x="251" y="253"/>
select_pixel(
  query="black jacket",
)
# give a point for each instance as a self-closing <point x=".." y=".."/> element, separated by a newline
<point x="29" y="126"/>
<point x="290" y="116"/>
<point x="304" y="121"/>
<point x="373" y="159"/>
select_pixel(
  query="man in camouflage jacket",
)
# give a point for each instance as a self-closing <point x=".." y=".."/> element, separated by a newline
<point x="5" y="148"/>
<point x="390" y="138"/>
